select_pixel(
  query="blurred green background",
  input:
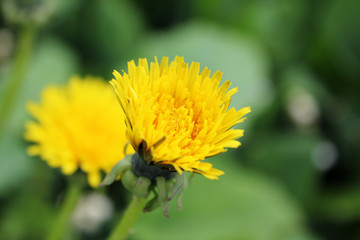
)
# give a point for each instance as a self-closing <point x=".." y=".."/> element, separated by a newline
<point x="296" y="63"/>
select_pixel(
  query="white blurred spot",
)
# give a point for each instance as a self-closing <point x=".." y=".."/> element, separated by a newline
<point x="91" y="211"/>
<point x="324" y="155"/>
<point x="302" y="107"/>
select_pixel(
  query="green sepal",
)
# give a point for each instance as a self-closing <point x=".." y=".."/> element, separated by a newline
<point x="129" y="180"/>
<point x="117" y="170"/>
<point x="181" y="194"/>
<point x="178" y="189"/>
<point x="141" y="188"/>
<point x="142" y="168"/>
<point x="179" y="182"/>
<point x="170" y="185"/>
<point x="163" y="195"/>
<point x="192" y="175"/>
<point x="152" y="204"/>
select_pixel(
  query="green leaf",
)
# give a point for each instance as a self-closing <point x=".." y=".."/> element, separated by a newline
<point x="277" y="24"/>
<point x="241" y="205"/>
<point x="287" y="157"/>
<point x="110" y="33"/>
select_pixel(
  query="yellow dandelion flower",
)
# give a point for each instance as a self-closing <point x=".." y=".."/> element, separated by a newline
<point x="78" y="125"/>
<point x="176" y="117"/>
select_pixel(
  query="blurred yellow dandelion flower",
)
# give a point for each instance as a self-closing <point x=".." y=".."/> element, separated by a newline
<point x="176" y="117"/>
<point x="78" y="125"/>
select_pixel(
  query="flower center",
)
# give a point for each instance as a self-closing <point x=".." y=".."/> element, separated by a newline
<point x="174" y="118"/>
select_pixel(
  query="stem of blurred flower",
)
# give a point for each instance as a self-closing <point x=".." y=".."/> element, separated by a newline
<point x="60" y="226"/>
<point x="24" y="47"/>
<point x="133" y="211"/>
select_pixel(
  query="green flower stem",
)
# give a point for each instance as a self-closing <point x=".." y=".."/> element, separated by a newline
<point x="10" y="94"/>
<point x="133" y="211"/>
<point x="61" y="224"/>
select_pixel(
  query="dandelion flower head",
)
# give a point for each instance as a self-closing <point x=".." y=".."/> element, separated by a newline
<point x="79" y="125"/>
<point x="176" y="116"/>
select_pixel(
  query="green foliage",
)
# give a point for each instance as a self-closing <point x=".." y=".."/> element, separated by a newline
<point x="29" y="216"/>
<point x="242" y="205"/>
<point x="287" y="158"/>
<point x="53" y="63"/>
